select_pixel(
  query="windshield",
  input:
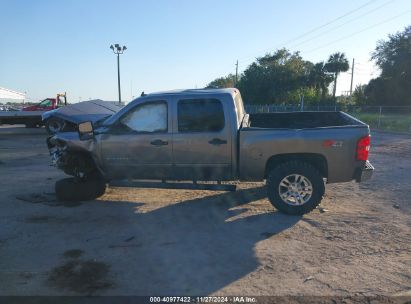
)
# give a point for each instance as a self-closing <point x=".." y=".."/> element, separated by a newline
<point x="46" y="103"/>
<point x="112" y="118"/>
<point x="101" y="121"/>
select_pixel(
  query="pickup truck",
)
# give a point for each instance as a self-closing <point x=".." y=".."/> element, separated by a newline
<point x="205" y="135"/>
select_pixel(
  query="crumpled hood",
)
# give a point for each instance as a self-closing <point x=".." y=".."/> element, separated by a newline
<point x="70" y="140"/>
<point x="92" y="110"/>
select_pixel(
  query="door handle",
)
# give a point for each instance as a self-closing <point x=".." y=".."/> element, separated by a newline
<point x="217" y="141"/>
<point x="159" y="142"/>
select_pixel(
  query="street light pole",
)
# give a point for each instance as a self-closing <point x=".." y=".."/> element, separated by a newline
<point x="118" y="50"/>
<point x="118" y="78"/>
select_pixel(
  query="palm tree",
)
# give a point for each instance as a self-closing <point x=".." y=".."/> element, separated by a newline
<point x="320" y="79"/>
<point x="336" y="64"/>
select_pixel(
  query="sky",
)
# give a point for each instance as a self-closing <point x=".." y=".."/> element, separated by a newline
<point x="51" y="46"/>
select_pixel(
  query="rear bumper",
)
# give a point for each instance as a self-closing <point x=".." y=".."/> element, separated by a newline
<point x="365" y="173"/>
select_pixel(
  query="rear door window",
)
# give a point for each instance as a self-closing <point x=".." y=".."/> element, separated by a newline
<point x="200" y="115"/>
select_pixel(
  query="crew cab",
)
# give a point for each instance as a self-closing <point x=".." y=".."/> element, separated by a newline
<point x="206" y="135"/>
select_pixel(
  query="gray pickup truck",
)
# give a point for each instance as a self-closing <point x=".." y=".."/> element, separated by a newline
<point x="206" y="135"/>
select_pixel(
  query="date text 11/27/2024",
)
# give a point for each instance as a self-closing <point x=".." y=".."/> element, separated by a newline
<point x="205" y="299"/>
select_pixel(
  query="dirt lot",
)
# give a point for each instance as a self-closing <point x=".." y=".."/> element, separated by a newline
<point x="180" y="242"/>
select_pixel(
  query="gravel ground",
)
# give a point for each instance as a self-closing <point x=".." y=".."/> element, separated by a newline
<point x="192" y="242"/>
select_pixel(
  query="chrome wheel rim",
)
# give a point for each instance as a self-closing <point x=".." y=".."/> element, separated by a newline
<point x="295" y="190"/>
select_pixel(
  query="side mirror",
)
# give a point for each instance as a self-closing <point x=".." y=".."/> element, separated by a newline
<point x="85" y="130"/>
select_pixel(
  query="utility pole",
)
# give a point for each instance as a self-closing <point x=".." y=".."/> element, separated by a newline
<point x="302" y="102"/>
<point x="118" y="50"/>
<point x="236" y="73"/>
<point x="352" y="76"/>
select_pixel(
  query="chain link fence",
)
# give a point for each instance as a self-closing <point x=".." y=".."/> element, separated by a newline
<point x="388" y="118"/>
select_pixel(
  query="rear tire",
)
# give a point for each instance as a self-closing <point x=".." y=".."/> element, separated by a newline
<point x="309" y="186"/>
<point x="71" y="189"/>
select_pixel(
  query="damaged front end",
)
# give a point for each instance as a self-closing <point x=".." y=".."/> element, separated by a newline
<point x="68" y="156"/>
<point x="57" y="150"/>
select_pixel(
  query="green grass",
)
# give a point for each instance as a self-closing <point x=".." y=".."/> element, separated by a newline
<point x="388" y="122"/>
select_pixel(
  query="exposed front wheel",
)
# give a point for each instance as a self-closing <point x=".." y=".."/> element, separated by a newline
<point x="54" y="125"/>
<point x="73" y="189"/>
<point x="295" y="187"/>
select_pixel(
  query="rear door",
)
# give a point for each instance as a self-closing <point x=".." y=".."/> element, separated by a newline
<point x="201" y="140"/>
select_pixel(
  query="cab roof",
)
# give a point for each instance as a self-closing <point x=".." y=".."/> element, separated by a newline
<point x="231" y="91"/>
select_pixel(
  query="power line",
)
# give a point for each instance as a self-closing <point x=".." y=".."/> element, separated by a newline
<point x="339" y="26"/>
<point x="364" y="69"/>
<point x="363" y="73"/>
<point x="323" y="25"/>
<point x="332" y="21"/>
<point x="361" y="31"/>
<point x="364" y="66"/>
<point x="345" y="23"/>
<point x="363" y="63"/>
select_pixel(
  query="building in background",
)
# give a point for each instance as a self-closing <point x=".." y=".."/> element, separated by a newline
<point x="7" y="95"/>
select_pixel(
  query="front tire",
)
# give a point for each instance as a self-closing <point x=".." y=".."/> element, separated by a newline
<point x="295" y="187"/>
<point x="54" y="125"/>
<point x="73" y="189"/>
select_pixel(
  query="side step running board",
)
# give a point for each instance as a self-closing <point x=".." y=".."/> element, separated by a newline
<point x="165" y="185"/>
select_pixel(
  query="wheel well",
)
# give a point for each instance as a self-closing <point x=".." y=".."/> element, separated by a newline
<point x="77" y="160"/>
<point x="317" y="160"/>
<point x="68" y="126"/>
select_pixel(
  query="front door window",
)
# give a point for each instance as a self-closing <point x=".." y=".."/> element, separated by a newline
<point x="147" y="118"/>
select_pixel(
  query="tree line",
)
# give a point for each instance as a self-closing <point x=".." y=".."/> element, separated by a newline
<point x="283" y="77"/>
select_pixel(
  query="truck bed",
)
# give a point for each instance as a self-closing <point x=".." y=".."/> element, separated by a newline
<point x="11" y="114"/>
<point x="301" y="133"/>
<point x="302" y="120"/>
<point x="21" y="117"/>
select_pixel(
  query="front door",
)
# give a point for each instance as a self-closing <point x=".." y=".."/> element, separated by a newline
<point x="139" y="145"/>
<point x="201" y="140"/>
